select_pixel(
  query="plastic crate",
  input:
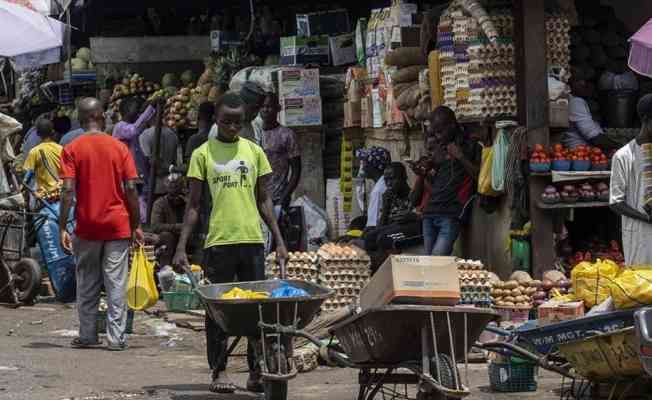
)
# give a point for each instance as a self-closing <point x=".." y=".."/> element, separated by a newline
<point x="101" y="322"/>
<point x="181" y="301"/>
<point x="512" y="377"/>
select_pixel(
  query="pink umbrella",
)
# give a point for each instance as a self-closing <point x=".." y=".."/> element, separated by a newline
<point x="640" y="54"/>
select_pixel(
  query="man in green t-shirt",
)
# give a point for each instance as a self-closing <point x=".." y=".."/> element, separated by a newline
<point x="238" y="174"/>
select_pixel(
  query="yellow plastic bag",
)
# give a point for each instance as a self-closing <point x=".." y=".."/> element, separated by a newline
<point x="591" y="281"/>
<point x="632" y="288"/>
<point x="237" y="294"/>
<point x="557" y="296"/>
<point x="484" y="179"/>
<point x="141" y="289"/>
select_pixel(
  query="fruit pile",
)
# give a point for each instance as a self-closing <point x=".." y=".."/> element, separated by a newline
<point x="599" y="250"/>
<point x="134" y="85"/>
<point x="569" y="194"/>
<point x="554" y="283"/>
<point x="539" y="155"/>
<point x="581" y="153"/>
<point x="599" y="160"/>
<point x="560" y="153"/>
<point x="516" y="293"/>
<point x="572" y="193"/>
<point x="550" y="195"/>
<point x="177" y="109"/>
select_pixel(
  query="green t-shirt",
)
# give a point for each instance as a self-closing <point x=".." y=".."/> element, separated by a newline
<point x="231" y="171"/>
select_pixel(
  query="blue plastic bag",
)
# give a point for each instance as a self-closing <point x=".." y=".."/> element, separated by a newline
<point x="288" y="291"/>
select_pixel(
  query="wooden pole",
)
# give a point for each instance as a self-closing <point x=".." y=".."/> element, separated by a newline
<point x="155" y="159"/>
<point x="532" y="87"/>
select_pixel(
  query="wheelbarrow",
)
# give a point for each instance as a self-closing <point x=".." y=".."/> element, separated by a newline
<point x="269" y="319"/>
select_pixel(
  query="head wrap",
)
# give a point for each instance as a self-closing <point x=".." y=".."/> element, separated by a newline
<point x="251" y="93"/>
<point x="377" y="157"/>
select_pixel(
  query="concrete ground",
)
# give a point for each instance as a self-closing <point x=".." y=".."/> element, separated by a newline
<point x="163" y="362"/>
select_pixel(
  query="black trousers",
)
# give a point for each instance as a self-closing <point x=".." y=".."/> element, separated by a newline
<point x="226" y="264"/>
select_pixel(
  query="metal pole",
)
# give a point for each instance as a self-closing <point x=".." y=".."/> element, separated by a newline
<point x="155" y="158"/>
<point x="69" y="45"/>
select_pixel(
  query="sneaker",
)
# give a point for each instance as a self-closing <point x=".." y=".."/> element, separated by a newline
<point x="117" y="347"/>
<point x="78" y="343"/>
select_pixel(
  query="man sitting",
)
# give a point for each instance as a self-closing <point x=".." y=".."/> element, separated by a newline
<point x="167" y="218"/>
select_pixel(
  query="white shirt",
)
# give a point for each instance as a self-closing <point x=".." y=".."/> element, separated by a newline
<point x="375" y="202"/>
<point x="627" y="185"/>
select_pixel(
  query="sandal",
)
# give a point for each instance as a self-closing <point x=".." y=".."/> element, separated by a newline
<point x="221" y="385"/>
<point x="78" y="343"/>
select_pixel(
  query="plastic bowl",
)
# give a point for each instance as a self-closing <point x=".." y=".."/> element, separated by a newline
<point x="561" y="165"/>
<point x="539" y="167"/>
<point x="581" y="165"/>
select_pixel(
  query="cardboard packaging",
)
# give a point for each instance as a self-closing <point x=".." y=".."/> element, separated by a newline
<point x="405" y="37"/>
<point x="297" y="50"/>
<point x="352" y="114"/>
<point x="342" y="49"/>
<point x="301" y="111"/>
<point x="378" y="109"/>
<point x="413" y="280"/>
<point x="298" y="82"/>
<point x="552" y="311"/>
<point x="330" y="22"/>
<point x="402" y="14"/>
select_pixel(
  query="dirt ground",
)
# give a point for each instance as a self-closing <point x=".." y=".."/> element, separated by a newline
<point x="163" y="362"/>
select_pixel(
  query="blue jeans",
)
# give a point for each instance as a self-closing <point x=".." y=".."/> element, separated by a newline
<point x="440" y="234"/>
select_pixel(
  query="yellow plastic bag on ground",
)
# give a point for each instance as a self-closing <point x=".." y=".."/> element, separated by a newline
<point x="141" y="288"/>
<point x="591" y="281"/>
<point x="237" y="294"/>
<point x="632" y="288"/>
<point x="484" y="179"/>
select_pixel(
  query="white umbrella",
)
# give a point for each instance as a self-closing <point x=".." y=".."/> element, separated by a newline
<point x="26" y="31"/>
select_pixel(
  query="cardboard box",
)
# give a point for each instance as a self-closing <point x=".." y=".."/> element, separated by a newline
<point x="413" y="280"/>
<point x="405" y="37"/>
<point x="352" y="114"/>
<point x="342" y="49"/>
<point x="330" y="22"/>
<point x="297" y="50"/>
<point x="552" y="311"/>
<point x="222" y="40"/>
<point x="301" y="111"/>
<point x="298" y="82"/>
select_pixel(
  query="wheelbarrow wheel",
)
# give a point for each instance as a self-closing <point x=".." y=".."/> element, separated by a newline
<point x="276" y="390"/>
<point x="28" y="279"/>
<point x="447" y="379"/>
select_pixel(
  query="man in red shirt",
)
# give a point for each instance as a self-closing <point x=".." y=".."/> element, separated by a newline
<point x="100" y="171"/>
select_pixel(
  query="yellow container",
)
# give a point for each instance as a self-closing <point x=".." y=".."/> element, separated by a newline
<point x="606" y="357"/>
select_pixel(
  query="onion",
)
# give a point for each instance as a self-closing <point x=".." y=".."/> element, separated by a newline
<point x="564" y="283"/>
<point x="540" y="295"/>
<point x="568" y="188"/>
<point x="550" y="189"/>
<point x="547" y="284"/>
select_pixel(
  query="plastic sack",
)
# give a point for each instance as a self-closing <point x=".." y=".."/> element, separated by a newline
<point x="141" y="288"/>
<point x="241" y="294"/>
<point x="591" y="282"/>
<point x="632" y="288"/>
<point x="316" y="222"/>
<point x="288" y="291"/>
<point x="484" y="179"/>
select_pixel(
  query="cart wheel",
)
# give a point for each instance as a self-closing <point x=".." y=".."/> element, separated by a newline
<point x="448" y="371"/>
<point x="276" y="390"/>
<point x="28" y="279"/>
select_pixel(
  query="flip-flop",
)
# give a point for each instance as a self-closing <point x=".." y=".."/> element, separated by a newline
<point x="221" y="387"/>
<point x="77" y="343"/>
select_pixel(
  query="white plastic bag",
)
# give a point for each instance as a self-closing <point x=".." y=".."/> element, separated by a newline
<point x="316" y="221"/>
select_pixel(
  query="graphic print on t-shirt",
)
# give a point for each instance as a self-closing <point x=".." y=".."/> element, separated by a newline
<point x="233" y="174"/>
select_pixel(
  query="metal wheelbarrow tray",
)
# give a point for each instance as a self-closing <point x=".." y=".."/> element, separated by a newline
<point x="240" y="317"/>
<point x="392" y="334"/>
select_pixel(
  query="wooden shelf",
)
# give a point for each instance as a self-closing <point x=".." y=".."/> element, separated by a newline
<point x="566" y="176"/>
<point x="579" y="204"/>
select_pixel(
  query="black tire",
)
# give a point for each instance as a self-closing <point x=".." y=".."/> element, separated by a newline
<point x="276" y="390"/>
<point x="448" y="371"/>
<point x="28" y="282"/>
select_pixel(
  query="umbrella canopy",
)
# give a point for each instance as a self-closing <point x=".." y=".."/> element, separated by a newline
<point x="26" y="31"/>
<point x="640" y="54"/>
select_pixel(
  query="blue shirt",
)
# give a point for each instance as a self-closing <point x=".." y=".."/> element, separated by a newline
<point x="70" y="136"/>
<point x="32" y="139"/>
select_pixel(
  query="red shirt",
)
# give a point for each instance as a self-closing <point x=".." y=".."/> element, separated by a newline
<point x="100" y="165"/>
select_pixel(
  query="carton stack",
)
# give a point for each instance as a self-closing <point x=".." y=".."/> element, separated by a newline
<point x="345" y="269"/>
<point x="301" y="266"/>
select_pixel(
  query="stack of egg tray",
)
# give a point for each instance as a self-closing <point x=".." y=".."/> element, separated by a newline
<point x="301" y="266"/>
<point x="475" y="287"/>
<point x="345" y="269"/>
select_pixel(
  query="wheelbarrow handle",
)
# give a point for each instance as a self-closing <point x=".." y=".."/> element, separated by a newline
<point x="282" y="269"/>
